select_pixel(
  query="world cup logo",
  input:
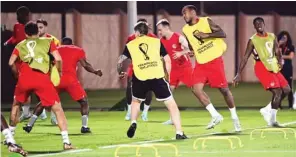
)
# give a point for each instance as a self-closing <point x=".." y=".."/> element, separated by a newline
<point x="144" y="49"/>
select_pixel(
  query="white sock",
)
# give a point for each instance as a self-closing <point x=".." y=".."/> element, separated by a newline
<point x="146" y="108"/>
<point x="84" y="119"/>
<point x="26" y="109"/>
<point x="268" y="106"/>
<point x="179" y="132"/>
<point x="32" y="120"/>
<point x="129" y="107"/>
<point x="43" y="114"/>
<point x="133" y="121"/>
<point x="212" y="110"/>
<point x="65" y="137"/>
<point x="273" y="115"/>
<point x="8" y="136"/>
<point x="233" y="113"/>
<point x="12" y="128"/>
<point x="52" y="115"/>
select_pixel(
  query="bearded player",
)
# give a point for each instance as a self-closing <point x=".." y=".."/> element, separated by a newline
<point x="267" y="68"/>
<point x="206" y="39"/>
<point x="148" y="100"/>
<point x="71" y="55"/>
<point x="34" y="77"/>
<point x="177" y="48"/>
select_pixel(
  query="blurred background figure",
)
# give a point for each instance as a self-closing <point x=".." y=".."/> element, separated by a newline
<point x="288" y="51"/>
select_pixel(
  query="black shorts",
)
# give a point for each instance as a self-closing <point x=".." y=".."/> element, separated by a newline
<point x="160" y="87"/>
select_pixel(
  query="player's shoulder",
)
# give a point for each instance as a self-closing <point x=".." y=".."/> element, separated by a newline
<point x="253" y="36"/>
<point x="152" y="35"/>
<point x="21" y="43"/>
<point x="271" y="34"/>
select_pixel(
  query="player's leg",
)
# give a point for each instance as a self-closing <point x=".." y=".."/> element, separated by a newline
<point x="43" y="115"/>
<point x="170" y="122"/>
<point x="26" y="110"/>
<point x="128" y="97"/>
<point x="290" y="94"/>
<point x="147" y="103"/>
<point x="275" y="102"/>
<point x="37" y="112"/>
<point x="12" y="146"/>
<point x="162" y="92"/>
<point x="84" y="110"/>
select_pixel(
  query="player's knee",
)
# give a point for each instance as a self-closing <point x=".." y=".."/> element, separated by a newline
<point x="287" y="90"/>
<point x="225" y="92"/>
<point x="83" y="102"/>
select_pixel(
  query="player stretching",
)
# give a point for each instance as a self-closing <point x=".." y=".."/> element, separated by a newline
<point x="23" y="16"/>
<point x="145" y="53"/>
<point x="206" y="39"/>
<point x="148" y="100"/>
<point x="177" y="47"/>
<point x="71" y="55"/>
<point x="9" y="140"/>
<point x="33" y="77"/>
<point x="267" y="68"/>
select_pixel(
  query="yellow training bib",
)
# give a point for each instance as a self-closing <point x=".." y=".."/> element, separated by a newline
<point x="205" y="50"/>
<point x="54" y="76"/>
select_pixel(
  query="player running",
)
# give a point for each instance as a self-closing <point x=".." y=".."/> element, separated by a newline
<point x="145" y="53"/>
<point x="9" y="140"/>
<point x="34" y="77"/>
<point x="177" y="48"/>
<point x="206" y="40"/>
<point x="148" y="100"/>
<point x="267" y="68"/>
<point x="71" y="55"/>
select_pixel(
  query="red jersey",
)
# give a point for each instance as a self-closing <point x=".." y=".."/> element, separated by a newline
<point x="18" y="34"/>
<point x="173" y="44"/>
<point x="71" y="55"/>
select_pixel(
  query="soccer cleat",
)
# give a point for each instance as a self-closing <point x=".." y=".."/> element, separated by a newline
<point x="53" y="121"/>
<point x="27" y="128"/>
<point x="131" y="131"/>
<point x="169" y="122"/>
<point x="43" y="116"/>
<point x="25" y="117"/>
<point x="68" y="146"/>
<point x="266" y="115"/>
<point x="237" y="126"/>
<point x="85" y="130"/>
<point x="128" y="115"/>
<point x="276" y="125"/>
<point x="181" y="137"/>
<point x="17" y="149"/>
<point x="294" y="107"/>
<point x="144" y="116"/>
<point x="215" y="121"/>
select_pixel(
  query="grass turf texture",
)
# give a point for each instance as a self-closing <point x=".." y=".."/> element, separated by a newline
<point x="109" y="128"/>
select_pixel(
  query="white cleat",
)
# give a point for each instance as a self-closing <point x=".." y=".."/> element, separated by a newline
<point x="53" y="121"/>
<point x="144" y="116"/>
<point x="294" y="107"/>
<point x="276" y="125"/>
<point x="215" y="121"/>
<point x="237" y="126"/>
<point x="25" y="117"/>
<point x="266" y="115"/>
<point x="169" y="122"/>
<point x="43" y="116"/>
<point x="128" y="116"/>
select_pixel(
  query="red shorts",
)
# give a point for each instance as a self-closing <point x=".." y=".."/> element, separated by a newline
<point x="212" y="73"/>
<point x="181" y="75"/>
<point x="72" y="86"/>
<point x="269" y="79"/>
<point x="130" y="70"/>
<point x="38" y="83"/>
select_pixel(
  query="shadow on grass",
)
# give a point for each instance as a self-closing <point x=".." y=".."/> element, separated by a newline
<point x="56" y="134"/>
<point x="155" y="121"/>
<point x="45" y="152"/>
<point x="193" y="126"/>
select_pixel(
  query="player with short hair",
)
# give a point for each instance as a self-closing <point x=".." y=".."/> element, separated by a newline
<point x="42" y="27"/>
<point x="34" y="77"/>
<point x="145" y="53"/>
<point x="9" y="140"/>
<point x="71" y="55"/>
<point x="177" y="47"/>
<point x="206" y="40"/>
<point x="148" y="100"/>
<point x="267" y="68"/>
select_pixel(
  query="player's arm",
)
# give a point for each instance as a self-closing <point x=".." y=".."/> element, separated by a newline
<point x="190" y="52"/>
<point x="12" y="61"/>
<point x="88" y="67"/>
<point x="57" y="57"/>
<point x="217" y="32"/>
<point x="124" y="56"/>
<point x="243" y="63"/>
<point x="12" y="39"/>
<point x="184" y="44"/>
<point x="166" y="60"/>
<point x="276" y="50"/>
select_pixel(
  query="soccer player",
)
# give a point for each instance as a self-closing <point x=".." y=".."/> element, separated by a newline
<point x="71" y="55"/>
<point x="206" y="40"/>
<point x="145" y="53"/>
<point x="177" y="48"/>
<point x="267" y="68"/>
<point x="34" y="77"/>
<point x="42" y="28"/>
<point x="9" y="140"/>
<point x="23" y="16"/>
<point x="148" y="100"/>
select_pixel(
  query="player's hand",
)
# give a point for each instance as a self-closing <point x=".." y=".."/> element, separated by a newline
<point x="122" y="75"/>
<point x="236" y="80"/>
<point x="201" y="35"/>
<point x="5" y="44"/>
<point x="191" y="53"/>
<point x="99" y="73"/>
<point x="177" y="54"/>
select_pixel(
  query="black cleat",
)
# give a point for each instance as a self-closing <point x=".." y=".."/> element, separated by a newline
<point x="68" y="146"/>
<point x="181" y="137"/>
<point x="27" y="128"/>
<point x="17" y="149"/>
<point x="85" y="130"/>
<point x="131" y="131"/>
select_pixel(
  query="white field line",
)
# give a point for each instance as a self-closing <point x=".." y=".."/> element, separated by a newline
<point x="66" y="152"/>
